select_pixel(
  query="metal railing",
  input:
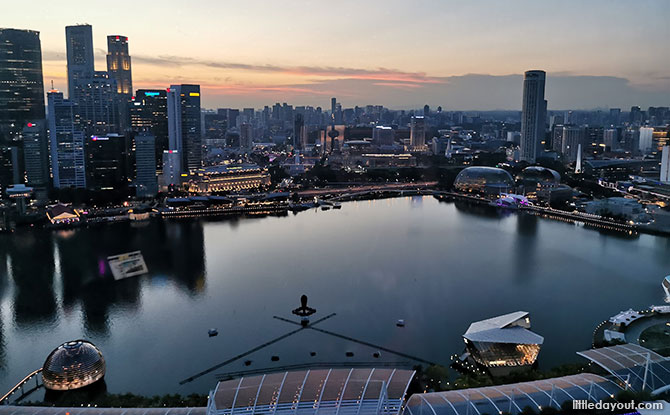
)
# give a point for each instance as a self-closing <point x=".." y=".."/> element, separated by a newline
<point x="5" y="397"/>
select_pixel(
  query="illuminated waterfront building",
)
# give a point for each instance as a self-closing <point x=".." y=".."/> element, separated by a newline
<point x="148" y="113"/>
<point x="227" y="178"/>
<point x="73" y="365"/>
<point x="184" y="130"/>
<point x="503" y="344"/>
<point x="60" y="214"/>
<point x="485" y="180"/>
<point x="533" y="115"/>
<point x="107" y="162"/>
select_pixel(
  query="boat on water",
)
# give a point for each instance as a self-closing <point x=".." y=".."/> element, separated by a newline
<point x="337" y="206"/>
<point x="325" y="207"/>
<point x="666" y="286"/>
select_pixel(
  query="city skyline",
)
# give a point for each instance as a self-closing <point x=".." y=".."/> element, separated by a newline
<point x="450" y="54"/>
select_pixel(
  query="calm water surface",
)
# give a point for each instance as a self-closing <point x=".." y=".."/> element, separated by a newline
<point x="439" y="266"/>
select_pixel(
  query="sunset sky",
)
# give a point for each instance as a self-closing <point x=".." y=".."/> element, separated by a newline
<point x="402" y="54"/>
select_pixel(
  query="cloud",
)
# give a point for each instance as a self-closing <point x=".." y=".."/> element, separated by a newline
<point x="467" y="92"/>
<point x="380" y="74"/>
<point x="307" y="85"/>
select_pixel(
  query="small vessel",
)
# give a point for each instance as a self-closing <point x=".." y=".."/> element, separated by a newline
<point x="400" y="323"/>
<point x="337" y="206"/>
<point x="666" y="286"/>
<point x="325" y="207"/>
<point x="212" y="332"/>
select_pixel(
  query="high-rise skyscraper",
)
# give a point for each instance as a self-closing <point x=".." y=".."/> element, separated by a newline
<point x="146" y="184"/>
<point x="299" y="132"/>
<point x="184" y="131"/>
<point x="107" y="162"/>
<point x="118" y="64"/>
<point x="646" y="139"/>
<point x="118" y="67"/>
<point x="36" y="155"/>
<point x="66" y="143"/>
<point x="21" y="87"/>
<point x="573" y="137"/>
<point x="665" y="165"/>
<point x="97" y="104"/>
<point x="533" y="114"/>
<point x="417" y="133"/>
<point x="21" y="99"/>
<point x="80" y="59"/>
<point x="246" y="135"/>
<point x="148" y="113"/>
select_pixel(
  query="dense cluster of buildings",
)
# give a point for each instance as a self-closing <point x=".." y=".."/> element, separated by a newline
<point x="103" y="135"/>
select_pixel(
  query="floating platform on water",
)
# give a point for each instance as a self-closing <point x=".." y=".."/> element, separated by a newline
<point x="127" y="265"/>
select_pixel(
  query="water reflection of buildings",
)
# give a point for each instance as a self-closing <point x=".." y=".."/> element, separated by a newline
<point x="180" y="254"/>
<point x="32" y="269"/>
<point x="174" y="249"/>
<point x="82" y="258"/>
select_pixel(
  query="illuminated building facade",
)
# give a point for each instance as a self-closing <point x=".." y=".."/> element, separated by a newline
<point x="36" y="154"/>
<point x="97" y="104"/>
<point x="21" y="88"/>
<point x="21" y="99"/>
<point x="66" y="143"/>
<point x="73" y="365"/>
<point x="61" y="214"/>
<point x="118" y="64"/>
<point x="118" y="68"/>
<point x="184" y="131"/>
<point x="484" y="180"/>
<point x="148" y="113"/>
<point x="503" y="344"/>
<point x="417" y="135"/>
<point x="228" y="178"/>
